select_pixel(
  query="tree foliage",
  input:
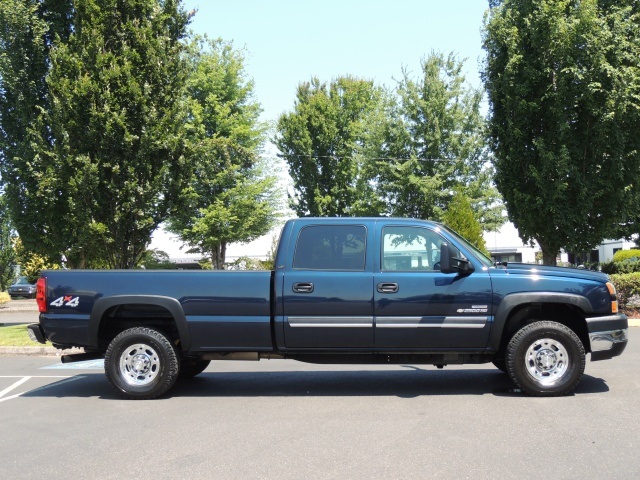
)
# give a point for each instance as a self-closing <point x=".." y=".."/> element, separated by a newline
<point x="7" y="253"/>
<point x="356" y="149"/>
<point x="28" y="29"/>
<point x="563" y="81"/>
<point x="103" y="159"/>
<point x="323" y="140"/>
<point x="460" y="217"/>
<point x="433" y="143"/>
<point x="230" y="197"/>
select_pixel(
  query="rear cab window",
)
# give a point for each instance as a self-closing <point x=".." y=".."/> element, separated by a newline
<point x="331" y="247"/>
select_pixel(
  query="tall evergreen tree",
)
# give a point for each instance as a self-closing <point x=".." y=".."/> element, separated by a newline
<point x="107" y="162"/>
<point x="460" y="217"/>
<point x="563" y="78"/>
<point x="7" y="253"/>
<point x="28" y="29"/>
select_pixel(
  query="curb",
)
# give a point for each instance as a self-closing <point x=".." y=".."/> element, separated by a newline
<point x="37" y="351"/>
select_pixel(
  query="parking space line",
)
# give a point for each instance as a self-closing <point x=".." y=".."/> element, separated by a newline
<point x="11" y="397"/>
<point x="44" y="387"/>
<point x="14" y="386"/>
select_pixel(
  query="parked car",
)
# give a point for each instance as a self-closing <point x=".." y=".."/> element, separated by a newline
<point x="22" y="288"/>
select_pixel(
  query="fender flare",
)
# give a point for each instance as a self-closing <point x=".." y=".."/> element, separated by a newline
<point x="509" y="302"/>
<point x="171" y="304"/>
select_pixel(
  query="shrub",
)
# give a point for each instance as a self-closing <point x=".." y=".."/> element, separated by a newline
<point x="630" y="266"/>
<point x="623" y="255"/>
<point x="627" y="286"/>
<point x="4" y="297"/>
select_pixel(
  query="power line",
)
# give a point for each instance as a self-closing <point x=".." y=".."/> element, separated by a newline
<point x="335" y="157"/>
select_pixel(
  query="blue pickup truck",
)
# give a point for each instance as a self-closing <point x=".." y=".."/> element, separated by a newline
<point x="344" y="290"/>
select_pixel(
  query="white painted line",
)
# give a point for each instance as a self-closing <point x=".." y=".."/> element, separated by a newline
<point x="14" y="386"/>
<point x="36" y="389"/>
<point x="35" y="376"/>
<point x="11" y="397"/>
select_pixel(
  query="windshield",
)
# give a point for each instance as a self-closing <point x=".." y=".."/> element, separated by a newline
<point x="22" y="281"/>
<point x="486" y="261"/>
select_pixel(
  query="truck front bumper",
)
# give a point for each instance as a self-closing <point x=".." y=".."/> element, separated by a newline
<point x="607" y="336"/>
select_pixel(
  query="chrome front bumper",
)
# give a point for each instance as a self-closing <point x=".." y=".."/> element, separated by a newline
<point x="607" y="336"/>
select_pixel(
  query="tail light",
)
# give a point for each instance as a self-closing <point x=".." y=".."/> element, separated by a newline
<point x="41" y="294"/>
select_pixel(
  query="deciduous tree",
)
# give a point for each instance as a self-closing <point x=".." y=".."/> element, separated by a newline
<point x="433" y="144"/>
<point x="324" y="140"/>
<point x="230" y="198"/>
<point x="563" y="79"/>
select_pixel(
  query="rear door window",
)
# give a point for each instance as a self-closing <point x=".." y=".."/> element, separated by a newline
<point x="331" y="247"/>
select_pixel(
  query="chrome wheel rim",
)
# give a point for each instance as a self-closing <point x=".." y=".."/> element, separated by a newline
<point x="139" y="364"/>
<point x="547" y="361"/>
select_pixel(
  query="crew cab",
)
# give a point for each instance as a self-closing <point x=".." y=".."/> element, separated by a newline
<point x="344" y="290"/>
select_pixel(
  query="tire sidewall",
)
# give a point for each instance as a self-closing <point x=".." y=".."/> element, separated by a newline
<point x="168" y="363"/>
<point x="517" y="352"/>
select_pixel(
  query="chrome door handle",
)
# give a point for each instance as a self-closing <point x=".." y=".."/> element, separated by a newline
<point x="303" y="287"/>
<point x="388" y="288"/>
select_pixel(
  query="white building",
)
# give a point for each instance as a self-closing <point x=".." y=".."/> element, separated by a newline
<point x="505" y="245"/>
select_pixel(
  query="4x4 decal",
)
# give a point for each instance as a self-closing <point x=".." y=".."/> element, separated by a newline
<point x="67" y="301"/>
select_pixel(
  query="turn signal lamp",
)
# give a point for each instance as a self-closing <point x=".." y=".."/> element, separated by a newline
<point x="41" y="294"/>
<point x="614" y="299"/>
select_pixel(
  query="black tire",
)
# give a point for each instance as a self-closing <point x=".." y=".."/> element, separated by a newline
<point x="500" y="364"/>
<point x="545" y="359"/>
<point x="190" y="367"/>
<point x="141" y="363"/>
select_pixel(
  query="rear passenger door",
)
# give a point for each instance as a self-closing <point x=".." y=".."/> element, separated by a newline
<point x="328" y="292"/>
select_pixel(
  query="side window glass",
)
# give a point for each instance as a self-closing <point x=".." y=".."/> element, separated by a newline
<point x="409" y="249"/>
<point x="331" y="247"/>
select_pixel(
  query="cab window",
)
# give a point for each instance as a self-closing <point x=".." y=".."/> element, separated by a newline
<point x="410" y="249"/>
<point x="331" y="247"/>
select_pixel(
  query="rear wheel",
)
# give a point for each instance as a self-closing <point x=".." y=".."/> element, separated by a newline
<point x="141" y="363"/>
<point x="545" y="359"/>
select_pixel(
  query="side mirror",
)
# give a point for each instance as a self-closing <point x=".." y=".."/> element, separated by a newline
<point x="452" y="264"/>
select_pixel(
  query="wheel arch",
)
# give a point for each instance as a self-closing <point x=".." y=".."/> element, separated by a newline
<point x="516" y="310"/>
<point x="105" y="306"/>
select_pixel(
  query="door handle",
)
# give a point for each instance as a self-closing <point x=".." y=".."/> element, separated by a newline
<point x="303" y="287"/>
<point x="388" y="288"/>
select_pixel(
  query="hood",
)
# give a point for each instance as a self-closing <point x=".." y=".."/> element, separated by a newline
<point x="546" y="270"/>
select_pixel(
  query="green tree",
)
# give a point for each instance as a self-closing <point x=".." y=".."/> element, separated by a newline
<point x="563" y="82"/>
<point x="7" y="253"/>
<point x="104" y="161"/>
<point x="28" y="29"/>
<point x="155" y="259"/>
<point x="230" y="198"/>
<point x="324" y="140"/>
<point x="460" y="217"/>
<point x="433" y="142"/>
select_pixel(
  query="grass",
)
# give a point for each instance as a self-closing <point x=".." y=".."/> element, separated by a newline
<point x="16" y="336"/>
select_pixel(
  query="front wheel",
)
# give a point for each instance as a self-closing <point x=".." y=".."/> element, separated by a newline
<point x="141" y="363"/>
<point x="545" y="359"/>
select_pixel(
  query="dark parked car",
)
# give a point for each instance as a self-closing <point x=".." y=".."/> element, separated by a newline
<point x="22" y="288"/>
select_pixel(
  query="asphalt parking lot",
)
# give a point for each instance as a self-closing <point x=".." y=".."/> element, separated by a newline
<point x="286" y="419"/>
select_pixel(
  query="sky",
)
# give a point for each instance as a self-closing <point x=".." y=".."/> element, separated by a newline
<point x="290" y="41"/>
